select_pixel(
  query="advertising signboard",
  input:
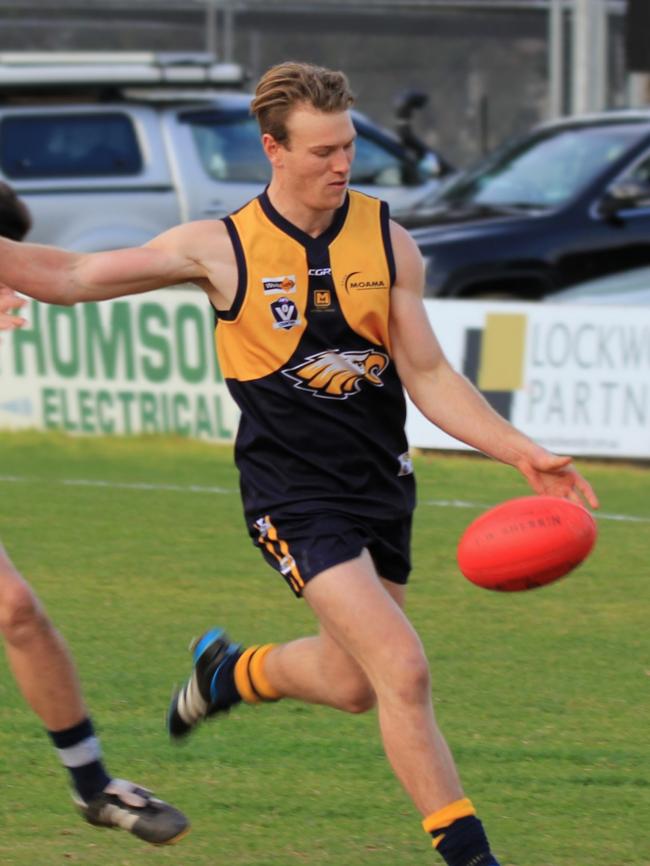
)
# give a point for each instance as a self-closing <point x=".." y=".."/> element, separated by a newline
<point x="575" y="378"/>
<point x="144" y="364"/>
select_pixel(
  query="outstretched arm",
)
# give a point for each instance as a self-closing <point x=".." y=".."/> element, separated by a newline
<point x="450" y="401"/>
<point x="57" y="276"/>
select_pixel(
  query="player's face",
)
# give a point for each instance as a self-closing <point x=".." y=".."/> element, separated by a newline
<point x="315" y="164"/>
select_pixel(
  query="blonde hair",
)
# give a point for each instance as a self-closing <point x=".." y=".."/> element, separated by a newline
<point x="287" y="85"/>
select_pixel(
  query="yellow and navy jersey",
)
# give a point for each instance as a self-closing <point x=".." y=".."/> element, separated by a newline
<point x="305" y="351"/>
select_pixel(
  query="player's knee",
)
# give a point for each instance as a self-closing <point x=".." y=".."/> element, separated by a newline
<point x="412" y="679"/>
<point x="20" y="612"/>
<point x="359" y="699"/>
<point x="354" y="693"/>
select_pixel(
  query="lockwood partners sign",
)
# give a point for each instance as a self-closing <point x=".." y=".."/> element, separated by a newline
<point x="575" y="378"/>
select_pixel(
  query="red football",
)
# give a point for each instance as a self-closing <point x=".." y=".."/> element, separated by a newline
<point x="525" y="543"/>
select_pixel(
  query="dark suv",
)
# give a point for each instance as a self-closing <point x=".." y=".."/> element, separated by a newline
<point x="568" y="202"/>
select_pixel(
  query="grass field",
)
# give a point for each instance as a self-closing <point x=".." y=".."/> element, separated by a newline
<point x="543" y="696"/>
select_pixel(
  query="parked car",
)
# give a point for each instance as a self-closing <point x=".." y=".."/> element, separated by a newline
<point x="109" y="150"/>
<point x="631" y="288"/>
<point x="568" y="202"/>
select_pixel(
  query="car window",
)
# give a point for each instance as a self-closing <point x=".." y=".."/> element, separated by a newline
<point x="69" y="145"/>
<point x="229" y="147"/>
<point x="228" y="144"/>
<point x="374" y="164"/>
<point x="641" y="171"/>
<point x="544" y="170"/>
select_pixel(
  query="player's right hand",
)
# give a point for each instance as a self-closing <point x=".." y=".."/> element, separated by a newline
<point x="9" y="303"/>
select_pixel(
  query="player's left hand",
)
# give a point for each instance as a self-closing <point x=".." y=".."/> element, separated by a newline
<point x="552" y="475"/>
<point x="9" y="303"/>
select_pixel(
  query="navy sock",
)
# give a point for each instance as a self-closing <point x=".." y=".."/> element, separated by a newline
<point x="464" y="843"/>
<point x="227" y="695"/>
<point x="80" y="753"/>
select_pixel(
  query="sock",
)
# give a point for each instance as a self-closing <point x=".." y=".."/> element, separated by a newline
<point x="250" y="680"/>
<point x="458" y="835"/>
<point x="80" y="753"/>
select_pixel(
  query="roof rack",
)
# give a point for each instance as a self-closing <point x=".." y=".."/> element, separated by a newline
<point x="46" y="71"/>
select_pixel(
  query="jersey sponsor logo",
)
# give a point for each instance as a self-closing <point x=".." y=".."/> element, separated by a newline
<point x="354" y="281"/>
<point x="319" y="272"/>
<point x="337" y="375"/>
<point x="285" y="313"/>
<point x="279" y="285"/>
<point x="322" y="298"/>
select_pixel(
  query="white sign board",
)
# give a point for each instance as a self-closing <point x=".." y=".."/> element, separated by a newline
<point x="145" y="364"/>
<point x="574" y="378"/>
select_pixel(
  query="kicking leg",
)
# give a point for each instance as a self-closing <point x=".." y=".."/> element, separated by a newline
<point x="319" y="670"/>
<point x="366" y="651"/>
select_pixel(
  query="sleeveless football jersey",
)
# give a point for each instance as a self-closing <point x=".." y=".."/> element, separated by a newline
<point x="305" y="353"/>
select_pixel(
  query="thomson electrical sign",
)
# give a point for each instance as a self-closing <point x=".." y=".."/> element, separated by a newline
<point x="145" y="364"/>
<point x="575" y="378"/>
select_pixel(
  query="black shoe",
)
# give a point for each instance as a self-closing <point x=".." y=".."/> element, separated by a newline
<point x="210" y="689"/>
<point x="129" y="807"/>
<point x="484" y="860"/>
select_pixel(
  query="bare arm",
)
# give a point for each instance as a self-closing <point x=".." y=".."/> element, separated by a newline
<point x="450" y="401"/>
<point x="57" y="276"/>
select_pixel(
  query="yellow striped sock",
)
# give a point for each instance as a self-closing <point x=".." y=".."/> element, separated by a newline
<point x="250" y="680"/>
<point x="258" y="678"/>
<point x="437" y="822"/>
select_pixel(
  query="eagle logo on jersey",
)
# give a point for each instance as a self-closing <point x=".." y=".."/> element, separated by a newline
<point x="336" y="375"/>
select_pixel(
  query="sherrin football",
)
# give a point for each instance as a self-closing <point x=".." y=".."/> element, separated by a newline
<point x="526" y="543"/>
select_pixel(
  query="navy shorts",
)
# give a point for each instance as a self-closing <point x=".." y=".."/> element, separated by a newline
<point x="301" y="547"/>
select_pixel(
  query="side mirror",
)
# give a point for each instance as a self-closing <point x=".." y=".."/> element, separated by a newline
<point x="427" y="163"/>
<point x="624" y="195"/>
<point x="405" y="105"/>
<point x="409" y="101"/>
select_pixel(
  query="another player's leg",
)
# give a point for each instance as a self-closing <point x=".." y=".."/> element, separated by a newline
<point x="47" y="678"/>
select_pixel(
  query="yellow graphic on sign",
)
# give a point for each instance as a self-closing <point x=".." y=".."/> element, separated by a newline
<point x="501" y="365"/>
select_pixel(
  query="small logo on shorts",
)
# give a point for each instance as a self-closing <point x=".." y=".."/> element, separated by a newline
<point x="405" y="464"/>
<point x="263" y="525"/>
<point x="287" y="564"/>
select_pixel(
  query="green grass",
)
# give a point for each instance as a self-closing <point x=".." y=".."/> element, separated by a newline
<point x="543" y="696"/>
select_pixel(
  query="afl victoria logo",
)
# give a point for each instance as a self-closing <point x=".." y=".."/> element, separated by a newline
<point x="336" y="375"/>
